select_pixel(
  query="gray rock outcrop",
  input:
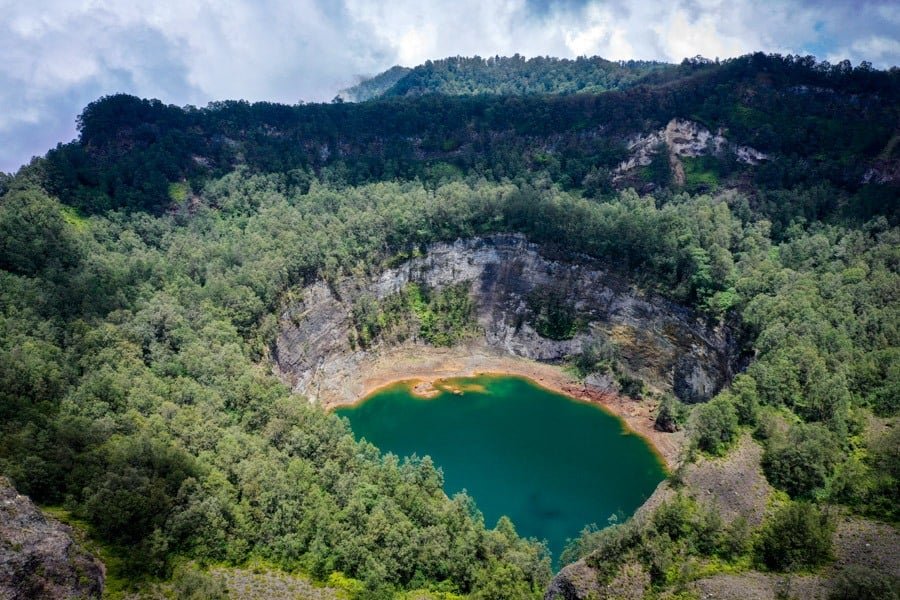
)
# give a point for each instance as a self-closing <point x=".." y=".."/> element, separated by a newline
<point x="39" y="557"/>
<point x="682" y="138"/>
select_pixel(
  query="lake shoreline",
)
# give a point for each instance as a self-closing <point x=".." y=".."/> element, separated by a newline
<point x="550" y="462"/>
<point x="425" y="367"/>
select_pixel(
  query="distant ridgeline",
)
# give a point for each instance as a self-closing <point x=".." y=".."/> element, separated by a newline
<point x="459" y="76"/>
<point x="829" y="127"/>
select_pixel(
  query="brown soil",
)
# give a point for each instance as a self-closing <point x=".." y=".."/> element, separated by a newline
<point x="859" y="541"/>
<point x="429" y="366"/>
<point x="734" y="484"/>
<point x="760" y="586"/>
<point x="253" y="584"/>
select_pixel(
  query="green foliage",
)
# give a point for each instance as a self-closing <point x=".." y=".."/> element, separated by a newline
<point x="448" y="317"/>
<point x="659" y="171"/>
<point x="632" y="387"/>
<point x="130" y="386"/>
<point x="131" y="335"/>
<point x="552" y="315"/>
<point x="439" y="317"/>
<point x="153" y="422"/>
<point x="671" y="414"/>
<point x="667" y="544"/>
<point x="869" y="481"/>
<point x="605" y="549"/>
<point x="797" y="537"/>
<point x="495" y="118"/>
<point x="702" y="173"/>
<point x="857" y="582"/>
<point x="518" y="75"/>
<point x="801" y="462"/>
<point x="715" y="426"/>
<point x="743" y="396"/>
<point x="599" y="355"/>
<point x="190" y="583"/>
<point x="179" y="192"/>
<point x="375" y="86"/>
<point x="34" y="236"/>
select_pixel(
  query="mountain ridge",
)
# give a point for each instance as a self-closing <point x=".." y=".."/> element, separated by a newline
<point x="498" y="75"/>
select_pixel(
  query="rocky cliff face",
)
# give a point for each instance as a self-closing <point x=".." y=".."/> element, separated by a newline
<point x="38" y="556"/>
<point x="682" y="138"/>
<point x="666" y="345"/>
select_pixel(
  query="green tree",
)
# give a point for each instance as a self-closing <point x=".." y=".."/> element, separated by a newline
<point x="801" y="462"/>
<point x="796" y="537"/>
<point x="715" y="426"/>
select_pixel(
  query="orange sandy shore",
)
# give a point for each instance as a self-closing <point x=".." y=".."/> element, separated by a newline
<point x="428" y="366"/>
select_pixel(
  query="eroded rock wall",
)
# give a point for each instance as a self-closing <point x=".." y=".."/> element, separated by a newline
<point x="39" y="557"/>
<point x="682" y="138"/>
<point x="666" y="345"/>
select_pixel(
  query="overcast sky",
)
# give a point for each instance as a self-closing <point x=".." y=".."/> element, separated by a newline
<point x="58" y="55"/>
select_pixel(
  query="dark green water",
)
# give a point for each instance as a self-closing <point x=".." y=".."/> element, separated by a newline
<point x="550" y="463"/>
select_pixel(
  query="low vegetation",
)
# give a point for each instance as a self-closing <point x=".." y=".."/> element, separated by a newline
<point x="437" y="317"/>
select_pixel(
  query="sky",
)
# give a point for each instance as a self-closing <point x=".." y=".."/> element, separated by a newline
<point x="56" y="56"/>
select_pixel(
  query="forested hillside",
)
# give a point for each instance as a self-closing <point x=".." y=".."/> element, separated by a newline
<point x="828" y="127"/>
<point x="143" y="265"/>
<point x="463" y="76"/>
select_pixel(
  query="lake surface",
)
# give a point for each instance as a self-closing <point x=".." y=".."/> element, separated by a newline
<point x="551" y="463"/>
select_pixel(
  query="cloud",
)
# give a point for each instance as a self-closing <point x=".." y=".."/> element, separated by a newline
<point x="58" y="55"/>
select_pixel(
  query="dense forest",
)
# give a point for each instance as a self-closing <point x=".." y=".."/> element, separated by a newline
<point x="459" y="76"/>
<point x="142" y="267"/>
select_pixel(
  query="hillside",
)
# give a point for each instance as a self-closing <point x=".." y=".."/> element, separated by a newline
<point x="715" y="251"/>
<point x="515" y="75"/>
<point x="374" y="87"/>
<point x="828" y="129"/>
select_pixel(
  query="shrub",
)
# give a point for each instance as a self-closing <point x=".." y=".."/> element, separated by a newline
<point x="716" y="426"/>
<point x="801" y="462"/>
<point x="745" y="399"/>
<point x="605" y="550"/>
<point x="797" y="537"/>
<point x="676" y="518"/>
<point x="670" y="415"/>
<point x="190" y="583"/>
<point x="631" y="386"/>
<point x="599" y="355"/>
<point x="857" y="582"/>
<point x="552" y="315"/>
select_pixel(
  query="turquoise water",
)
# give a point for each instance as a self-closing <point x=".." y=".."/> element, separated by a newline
<point x="550" y="463"/>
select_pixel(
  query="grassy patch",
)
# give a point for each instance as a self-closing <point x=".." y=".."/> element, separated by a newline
<point x="118" y="583"/>
<point x="70" y="215"/>
<point x="179" y="192"/>
<point x="700" y="174"/>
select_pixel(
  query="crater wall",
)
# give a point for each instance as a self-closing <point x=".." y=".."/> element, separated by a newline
<point x="668" y="346"/>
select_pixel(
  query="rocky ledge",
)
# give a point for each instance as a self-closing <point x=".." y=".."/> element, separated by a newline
<point x="39" y="557"/>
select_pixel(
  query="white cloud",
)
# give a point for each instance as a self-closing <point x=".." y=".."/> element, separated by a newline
<point x="58" y="55"/>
